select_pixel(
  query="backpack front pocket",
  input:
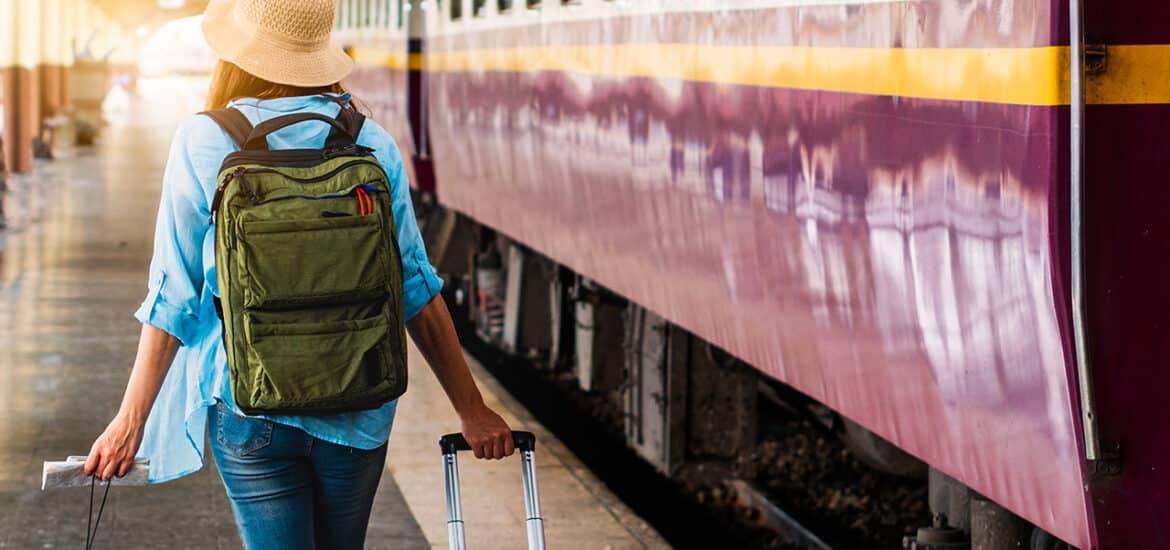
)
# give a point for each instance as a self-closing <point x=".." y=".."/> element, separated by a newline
<point x="289" y="263"/>
<point x="315" y="362"/>
<point x="311" y="278"/>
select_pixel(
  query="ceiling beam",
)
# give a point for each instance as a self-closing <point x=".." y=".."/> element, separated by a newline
<point x="133" y="13"/>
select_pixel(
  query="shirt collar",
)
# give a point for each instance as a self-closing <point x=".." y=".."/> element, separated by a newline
<point x="286" y="104"/>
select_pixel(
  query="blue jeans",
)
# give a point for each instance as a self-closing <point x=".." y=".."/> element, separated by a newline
<point x="290" y="490"/>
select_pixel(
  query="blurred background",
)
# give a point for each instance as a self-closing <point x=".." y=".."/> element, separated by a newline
<point x="66" y="62"/>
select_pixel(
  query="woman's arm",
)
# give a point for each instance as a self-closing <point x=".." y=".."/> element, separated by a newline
<point x="113" y="452"/>
<point x="434" y="333"/>
<point x="175" y="282"/>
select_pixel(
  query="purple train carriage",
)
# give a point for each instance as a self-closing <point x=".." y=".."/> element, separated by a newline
<point x="935" y="218"/>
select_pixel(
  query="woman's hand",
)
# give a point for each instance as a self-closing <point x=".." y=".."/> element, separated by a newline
<point x="113" y="452"/>
<point x="487" y="433"/>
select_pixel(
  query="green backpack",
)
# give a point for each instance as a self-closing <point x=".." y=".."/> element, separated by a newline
<point x="309" y="271"/>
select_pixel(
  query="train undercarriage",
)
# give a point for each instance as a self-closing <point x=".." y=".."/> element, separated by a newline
<point x="695" y="413"/>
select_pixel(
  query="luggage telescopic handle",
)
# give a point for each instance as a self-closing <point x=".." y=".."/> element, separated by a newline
<point x="452" y="443"/>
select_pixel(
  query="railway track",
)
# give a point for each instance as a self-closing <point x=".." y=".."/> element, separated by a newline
<point x="769" y="511"/>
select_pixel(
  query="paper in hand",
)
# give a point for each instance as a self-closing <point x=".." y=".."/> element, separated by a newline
<point x="71" y="473"/>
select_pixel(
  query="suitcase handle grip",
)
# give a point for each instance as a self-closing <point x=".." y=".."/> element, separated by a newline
<point x="452" y="443"/>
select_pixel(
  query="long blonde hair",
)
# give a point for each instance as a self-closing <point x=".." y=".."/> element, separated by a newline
<point x="229" y="82"/>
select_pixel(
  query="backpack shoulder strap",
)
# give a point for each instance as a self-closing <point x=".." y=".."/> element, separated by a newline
<point x="350" y="118"/>
<point x="233" y="122"/>
<point x="346" y="126"/>
<point x="353" y="121"/>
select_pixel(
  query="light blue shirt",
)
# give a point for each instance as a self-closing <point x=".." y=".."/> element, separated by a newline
<point x="182" y="283"/>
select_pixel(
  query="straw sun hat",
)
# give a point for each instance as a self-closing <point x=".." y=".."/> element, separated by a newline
<point x="282" y="41"/>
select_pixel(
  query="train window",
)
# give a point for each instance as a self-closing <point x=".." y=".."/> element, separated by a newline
<point x="400" y="14"/>
<point x="368" y="19"/>
<point x="504" y="6"/>
<point x="456" y="10"/>
<point x="533" y="4"/>
<point x="477" y="7"/>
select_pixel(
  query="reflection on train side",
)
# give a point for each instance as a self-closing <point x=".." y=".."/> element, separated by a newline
<point x="873" y="214"/>
<point x="961" y="265"/>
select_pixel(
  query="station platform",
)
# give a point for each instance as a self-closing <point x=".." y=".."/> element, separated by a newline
<point x="73" y="266"/>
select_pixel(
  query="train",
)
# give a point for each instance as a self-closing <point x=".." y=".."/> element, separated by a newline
<point x="946" y="221"/>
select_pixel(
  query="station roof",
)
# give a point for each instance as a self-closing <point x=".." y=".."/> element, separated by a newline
<point x="139" y="12"/>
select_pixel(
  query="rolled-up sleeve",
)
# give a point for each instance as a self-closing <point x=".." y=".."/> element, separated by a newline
<point x="176" y="269"/>
<point x="420" y="282"/>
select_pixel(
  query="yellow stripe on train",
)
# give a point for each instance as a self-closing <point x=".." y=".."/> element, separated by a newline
<point x="1133" y="74"/>
<point x="386" y="58"/>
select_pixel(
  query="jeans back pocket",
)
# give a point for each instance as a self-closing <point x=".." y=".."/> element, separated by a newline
<point x="242" y="435"/>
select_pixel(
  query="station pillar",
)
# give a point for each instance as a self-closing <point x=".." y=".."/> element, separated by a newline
<point x="67" y="41"/>
<point x="54" y="59"/>
<point x="20" y="25"/>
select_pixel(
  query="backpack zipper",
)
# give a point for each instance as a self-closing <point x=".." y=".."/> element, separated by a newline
<point x="314" y="179"/>
<point x="365" y="187"/>
<point x="295" y="158"/>
<point x="240" y="172"/>
<point x="218" y="199"/>
<point x="247" y="188"/>
<point x="349" y="150"/>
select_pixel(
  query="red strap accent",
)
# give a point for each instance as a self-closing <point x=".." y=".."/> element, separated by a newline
<point x="366" y="205"/>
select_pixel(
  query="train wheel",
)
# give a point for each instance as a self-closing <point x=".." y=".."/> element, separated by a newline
<point x="1042" y="540"/>
<point x="880" y="454"/>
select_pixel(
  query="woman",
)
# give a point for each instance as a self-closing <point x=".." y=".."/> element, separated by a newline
<point x="294" y="481"/>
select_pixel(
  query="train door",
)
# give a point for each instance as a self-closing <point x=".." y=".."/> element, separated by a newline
<point x="416" y="99"/>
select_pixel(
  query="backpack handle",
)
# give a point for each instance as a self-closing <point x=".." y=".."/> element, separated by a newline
<point x="256" y="139"/>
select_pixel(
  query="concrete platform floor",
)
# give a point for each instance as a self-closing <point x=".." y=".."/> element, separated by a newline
<point x="72" y="270"/>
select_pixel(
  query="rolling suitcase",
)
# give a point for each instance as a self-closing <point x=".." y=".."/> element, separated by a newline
<point x="525" y="442"/>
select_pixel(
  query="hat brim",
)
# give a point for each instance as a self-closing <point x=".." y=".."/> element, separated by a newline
<point x="306" y="69"/>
